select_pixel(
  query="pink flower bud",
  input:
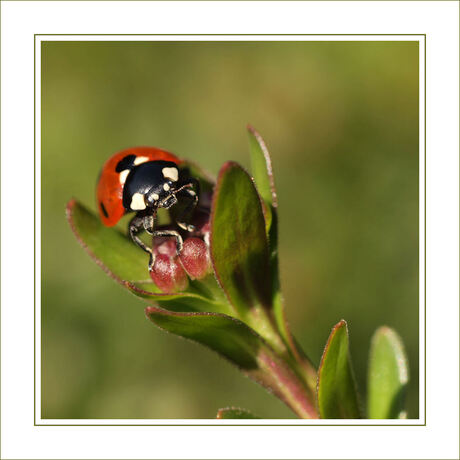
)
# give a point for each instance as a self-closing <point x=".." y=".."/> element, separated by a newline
<point x="194" y="257"/>
<point x="166" y="246"/>
<point x="168" y="274"/>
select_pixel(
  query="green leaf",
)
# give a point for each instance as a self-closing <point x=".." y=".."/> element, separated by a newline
<point x="388" y="376"/>
<point x="261" y="168"/>
<point x="243" y="347"/>
<point x="336" y="392"/>
<point x="127" y="264"/>
<point x="239" y="247"/>
<point x="234" y="412"/>
<point x="224" y="334"/>
<point x="109" y="246"/>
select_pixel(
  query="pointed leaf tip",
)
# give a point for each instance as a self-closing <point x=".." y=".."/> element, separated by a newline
<point x="336" y="389"/>
<point x="388" y="375"/>
<point x="261" y="167"/>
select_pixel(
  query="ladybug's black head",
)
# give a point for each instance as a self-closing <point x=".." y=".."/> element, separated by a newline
<point x="151" y="185"/>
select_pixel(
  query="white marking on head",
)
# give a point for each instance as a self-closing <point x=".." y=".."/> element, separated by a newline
<point x="140" y="160"/>
<point x="137" y="202"/>
<point x="171" y="173"/>
<point x="123" y="176"/>
<point x="166" y="187"/>
<point x="191" y="193"/>
<point x="155" y="196"/>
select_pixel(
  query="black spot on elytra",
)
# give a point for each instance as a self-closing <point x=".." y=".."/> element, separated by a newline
<point x="104" y="211"/>
<point x="126" y="163"/>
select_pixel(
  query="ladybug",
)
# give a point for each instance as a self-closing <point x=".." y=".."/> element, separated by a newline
<point x="142" y="180"/>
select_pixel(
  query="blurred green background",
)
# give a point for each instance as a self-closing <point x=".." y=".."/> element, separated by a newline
<point x="341" y="122"/>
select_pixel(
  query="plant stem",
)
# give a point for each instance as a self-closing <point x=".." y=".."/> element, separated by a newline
<point x="286" y="384"/>
<point x="294" y="380"/>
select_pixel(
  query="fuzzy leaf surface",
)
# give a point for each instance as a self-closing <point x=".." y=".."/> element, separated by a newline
<point x="388" y="376"/>
<point x="243" y="347"/>
<point x="228" y="336"/>
<point x="336" y="390"/>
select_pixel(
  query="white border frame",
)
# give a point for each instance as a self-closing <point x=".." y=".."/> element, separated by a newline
<point x="439" y="20"/>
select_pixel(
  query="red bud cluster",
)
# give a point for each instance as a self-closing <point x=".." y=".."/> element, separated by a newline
<point x="195" y="258"/>
<point x="170" y="270"/>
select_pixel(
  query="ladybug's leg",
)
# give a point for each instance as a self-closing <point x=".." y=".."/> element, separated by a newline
<point x="192" y="190"/>
<point x="179" y="243"/>
<point x="173" y="233"/>
<point x="148" y="224"/>
<point x="136" y="224"/>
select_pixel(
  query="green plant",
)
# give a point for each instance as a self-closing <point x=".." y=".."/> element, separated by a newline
<point x="237" y="310"/>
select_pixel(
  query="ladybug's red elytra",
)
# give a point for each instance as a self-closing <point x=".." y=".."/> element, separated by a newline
<point x="141" y="180"/>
